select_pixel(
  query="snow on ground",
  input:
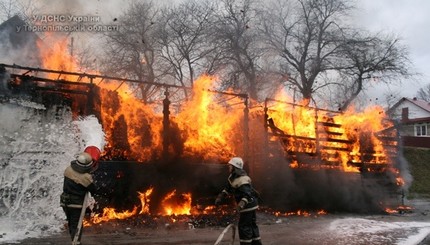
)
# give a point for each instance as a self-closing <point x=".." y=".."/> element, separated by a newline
<point x="369" y="231"/>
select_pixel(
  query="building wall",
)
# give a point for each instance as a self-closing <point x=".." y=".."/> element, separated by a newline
<point x="407" y="130"/>
<point x="421" y="142"/>
<point x="414" y="111"/>
<point x="410" y="130"/>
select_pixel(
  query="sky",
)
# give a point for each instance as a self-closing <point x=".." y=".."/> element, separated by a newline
<point x="409" y="20"/>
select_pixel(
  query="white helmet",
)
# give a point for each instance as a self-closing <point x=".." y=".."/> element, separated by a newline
<point x="237" y="162"/>
<point x="84" y="159"/>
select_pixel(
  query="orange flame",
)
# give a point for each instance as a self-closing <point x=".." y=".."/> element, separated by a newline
<point x="209" y="127"/>
<point x="144" y="200"/>
<point x="55" y="57"/>
<point x="174" y="204"/>
<point x="349" y="139"/>
<point x="110" y="213"/>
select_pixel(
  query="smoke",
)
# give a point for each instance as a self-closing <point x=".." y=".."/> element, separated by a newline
<point x="403" y="166"/>
<point x="18" y="46"/>
<point x="289" y="189"/>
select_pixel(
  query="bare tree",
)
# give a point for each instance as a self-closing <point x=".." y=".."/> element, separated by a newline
<point x="24" y="9"/>
<point x="235" y="29"/>
<point x="130" y="52"/>
<point x="183" y="38"/>
<point x="314" y="40"/>
<point x="424" y="93"/>
<point x="372" y="58"/>
<point x="307" y="36"/>
<point x="309" y="45"/>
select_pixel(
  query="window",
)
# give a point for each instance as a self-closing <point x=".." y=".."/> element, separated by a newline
<point x="421" y="130"/>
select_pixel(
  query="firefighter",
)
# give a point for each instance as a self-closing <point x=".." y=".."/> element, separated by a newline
<point x="239" y="184"/>
<point x="78" y="181"/>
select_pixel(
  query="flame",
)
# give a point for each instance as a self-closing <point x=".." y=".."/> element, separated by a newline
<point x="347" y="140"/>
<point x="131" y="127"/>
<point x="298" y="213"/>
<point x="110" y="214"/>
<point x="126" y="112"/>
<point x="367" y="122"/>
<point x="400" y="181"/>
<point x="55" y="57"/>
<point x="144" y="200"/>
<point x="399" y="209"/>
<point x="210" y="124"/>
<point x="209" y="127"/>
<point x="174" y="204"/>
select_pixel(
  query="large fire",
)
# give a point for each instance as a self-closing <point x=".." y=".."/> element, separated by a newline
<point x="347" y="139"/>
<point x="213" y="130"/>
<point x="211" y="127"/>
<point x="207" y="129"/>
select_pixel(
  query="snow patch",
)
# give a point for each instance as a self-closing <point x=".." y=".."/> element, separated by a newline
<point x="379" y="232"/>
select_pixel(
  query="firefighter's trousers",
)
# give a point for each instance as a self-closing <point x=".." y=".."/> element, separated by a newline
<point x="73" y="215"/>
<point x="249" y="233"/>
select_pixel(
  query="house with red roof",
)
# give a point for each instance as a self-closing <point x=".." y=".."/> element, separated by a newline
<point x="413" y="118"/>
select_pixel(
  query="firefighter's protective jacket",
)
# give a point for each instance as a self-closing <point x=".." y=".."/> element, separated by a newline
<point x="76" y="185"/>
<point x="239" y="184"/>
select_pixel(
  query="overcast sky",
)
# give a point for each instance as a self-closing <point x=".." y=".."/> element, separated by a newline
<point x="410" y="20"/>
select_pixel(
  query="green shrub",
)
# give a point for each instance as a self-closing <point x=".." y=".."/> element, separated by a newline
<point x="419" y="166"/>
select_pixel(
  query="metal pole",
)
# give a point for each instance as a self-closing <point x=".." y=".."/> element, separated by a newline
<point x="90" y="98"/>
<point x="266" y="127"/>
<point x="246" y="132"/>
<point x="166" y="125"/>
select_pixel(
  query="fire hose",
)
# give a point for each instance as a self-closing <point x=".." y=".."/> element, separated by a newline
<point x="221" y="236"/>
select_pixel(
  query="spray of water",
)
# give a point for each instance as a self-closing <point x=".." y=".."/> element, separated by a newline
<point x="36" y="145"/>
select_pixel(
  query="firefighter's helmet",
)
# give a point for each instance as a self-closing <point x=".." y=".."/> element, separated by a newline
<point x="84" y="163"/>
<point x="236" y="162"/>
<point x="84" y="159"/>
<point x="95" y="153"/>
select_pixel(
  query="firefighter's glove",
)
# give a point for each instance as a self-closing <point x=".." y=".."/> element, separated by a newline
<point x="240" y="205"/>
